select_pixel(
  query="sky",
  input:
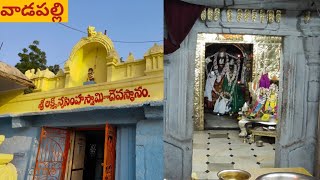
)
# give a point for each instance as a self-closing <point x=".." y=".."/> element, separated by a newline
<point x="124" y="20"/>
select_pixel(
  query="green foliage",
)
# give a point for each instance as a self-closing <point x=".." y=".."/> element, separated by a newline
<point x="55" y="68"/>
<point x="34" y="58"/>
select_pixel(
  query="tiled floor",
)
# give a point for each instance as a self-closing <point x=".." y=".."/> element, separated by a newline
<point x="220" y="122"/>
<point x="216" y="150"/>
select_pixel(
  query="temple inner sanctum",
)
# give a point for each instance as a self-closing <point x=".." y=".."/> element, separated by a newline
<point x="239" y="91"/>
<point x="224" y="85"/>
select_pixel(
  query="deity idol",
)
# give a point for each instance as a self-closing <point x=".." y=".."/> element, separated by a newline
<point x="219" y="70"/>
<point x="260" y="102"/>
<point x="231" y="87"/>
<point x="215" y="76"/>
<point x="271" y="102"/>
<point x="222" y="105"/>
<point x="90" y="75"/>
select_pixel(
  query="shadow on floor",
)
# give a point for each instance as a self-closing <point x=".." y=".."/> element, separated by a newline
<point x="225" y="122"/>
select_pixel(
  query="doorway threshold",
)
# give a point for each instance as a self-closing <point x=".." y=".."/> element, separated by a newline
<point x="215" y="122"/>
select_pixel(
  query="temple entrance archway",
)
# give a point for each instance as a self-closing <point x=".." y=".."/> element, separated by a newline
<point x="236" y="86"/>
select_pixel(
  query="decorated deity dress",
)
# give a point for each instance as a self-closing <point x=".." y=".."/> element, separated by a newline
<point x="264" y="81"/>
<point x="211" y="78"/>
<point x="259" y="104"/>
<point x="222" y="105"/>
<point x="215" y="76"/>
<point x="270" y="107"/>
<point x="271" y="103"/>
<point x="231" y="88"/>
<point x="266" y="103"/>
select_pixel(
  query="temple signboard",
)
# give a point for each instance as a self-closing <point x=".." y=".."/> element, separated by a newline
<point x="34" y="11"/>
<point x="93" y="99"/>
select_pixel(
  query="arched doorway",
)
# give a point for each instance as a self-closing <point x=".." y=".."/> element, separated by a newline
<point x="216" y="144"/>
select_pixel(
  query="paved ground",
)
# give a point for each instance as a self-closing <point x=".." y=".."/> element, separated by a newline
<point x="220" y="122"/>
<point x="215" y="150"/>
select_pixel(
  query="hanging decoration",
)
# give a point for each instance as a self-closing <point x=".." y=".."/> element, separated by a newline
<point x="270" y="16"/>
<point x="203" y="15"/>
<point x="239" y="15"/>
<point x="216" y="14"/>
<point x="262" y="15"/>
<point x="254" y="15"/>
<point x="210" y="14"/>
<point x="229" y="15"/>
<point x="278" y="16"/>
<point x="246" y="15"/>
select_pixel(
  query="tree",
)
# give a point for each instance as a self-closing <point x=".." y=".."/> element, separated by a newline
<point x="34" y="58"/>
<point x="55" y="68"/>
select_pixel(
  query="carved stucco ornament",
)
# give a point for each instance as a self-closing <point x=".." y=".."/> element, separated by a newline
<point x="254" y="15"/>
<point x="203" y="15"/>
<point x="60" y="73"/>
<point x="47" y="74"/>
<point x="246" y="15"/>
<point x="93" y="37"/>
<point x="155" y="49"/>
<point x="278" y="16"/>
<point x="216" y="14"/>
<point x="30" y="74"/>
<point x="306" y="16"/>
<point x="270" y="14"/>
<point x="113" y="54"/>
<point x="262" y="15"/>
<point x="67" y="66"/>
<point x="239" y="15"/>
<point x="229" y="15"/>
<point x="91" y="31"/>
<point x="210" y="14"/>
<point x="130" y="58"/>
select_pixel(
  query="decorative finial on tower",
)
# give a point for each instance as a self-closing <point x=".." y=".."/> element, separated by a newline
<point x="91" y="31"/>
<point x="130" y="58"/>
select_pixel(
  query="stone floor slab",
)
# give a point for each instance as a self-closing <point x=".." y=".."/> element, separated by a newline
<point x="219" y="122"/>
<point x="216" y="167"/>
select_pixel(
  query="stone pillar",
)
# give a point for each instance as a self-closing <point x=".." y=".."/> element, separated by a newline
<point x="317" y="164"/>
<point x="178" y="112"/>
<point x="311" y="41"/>
<point x="300" y="103"/>
<point x="112" y="61"/>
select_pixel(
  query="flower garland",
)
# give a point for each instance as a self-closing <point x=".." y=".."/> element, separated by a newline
<point x="231" y="76"/>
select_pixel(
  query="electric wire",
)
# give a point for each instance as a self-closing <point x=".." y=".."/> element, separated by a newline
<point x="116" y="41"/>
<point x="72" y="28"/>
